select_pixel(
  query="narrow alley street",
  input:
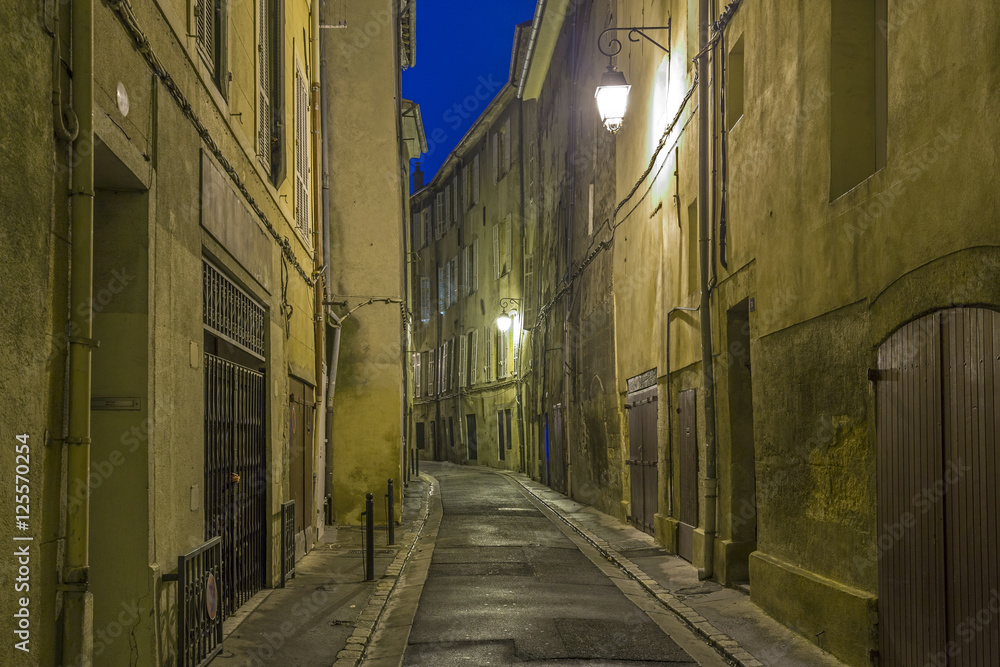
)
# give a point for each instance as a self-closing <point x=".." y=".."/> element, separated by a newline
<point x="511" y="583"/>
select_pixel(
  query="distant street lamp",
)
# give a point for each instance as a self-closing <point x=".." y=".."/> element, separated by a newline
<point x="612" y="94"/>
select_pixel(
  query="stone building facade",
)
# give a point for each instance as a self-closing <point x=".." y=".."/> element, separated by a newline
<point x="823" y="179"/>
<point x="162" y="242"/>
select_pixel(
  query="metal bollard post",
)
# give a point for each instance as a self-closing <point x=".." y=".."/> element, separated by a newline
<point x="369" y="537"/>
<point x="391" y="514"/>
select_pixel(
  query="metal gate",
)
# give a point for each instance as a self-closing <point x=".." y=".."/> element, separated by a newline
<point x="688" y="481"/>
<point x="235" y="437"/>
<point x="938" y="427"/>
<point x="643" y="458"/>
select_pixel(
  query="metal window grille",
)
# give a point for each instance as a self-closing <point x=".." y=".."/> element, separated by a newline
<point x="199" y="615"/>
<point x="231" y="313"/>
<point x="287" y="541"/>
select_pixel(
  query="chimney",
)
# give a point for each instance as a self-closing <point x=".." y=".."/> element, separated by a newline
<point x="418" y="178"/>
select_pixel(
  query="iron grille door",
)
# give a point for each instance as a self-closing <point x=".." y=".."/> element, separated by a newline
<point x="235" y="437"/>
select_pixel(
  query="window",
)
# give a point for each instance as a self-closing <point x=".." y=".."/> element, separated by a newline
<point x="472" y="266"/>
<point x="501" y="247"/>
<point x="470" y="176"/>
<point x="503" y="343"/>
<point x="426" y="238"/>
<point x="416" y="375"/>
<point x="506" y="418"/>
<point x="302" y="153"/>
<point x="858" y="98"/>
<point x="454" y="189"/>
<point x="263" y="85"/>
<point x="501" y="151"/>
<point x="425" y="298"/>
<point x="446" y="222"/>
<point x="734" y="84"/>
<point x="439" y="215"/>
<point x="431" y="376"/>
<point x="210" y="24"/>
<point x="463" y="357"/>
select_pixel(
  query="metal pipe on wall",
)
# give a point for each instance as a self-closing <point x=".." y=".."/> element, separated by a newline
<point x="709" y="484"/>
<point x="77" y="599"/>
<point x="318" y="234"/>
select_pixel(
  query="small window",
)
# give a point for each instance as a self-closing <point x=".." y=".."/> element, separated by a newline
<point x="425" y="298"/>
<point x="210" y="22"/>
<point x="302" y="154"/>
<point x="734" y="84"/>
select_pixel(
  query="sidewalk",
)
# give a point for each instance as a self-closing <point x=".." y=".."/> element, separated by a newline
<point x="724" y="617"/>
<point x="327" y="612"/>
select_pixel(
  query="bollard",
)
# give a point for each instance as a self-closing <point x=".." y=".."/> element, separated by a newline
<point x="391" y="514"/>
<point x="369" y="537"/>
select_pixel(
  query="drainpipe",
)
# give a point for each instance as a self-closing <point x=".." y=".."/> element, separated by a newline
<point x="529" y="52"/>
<point x="570" y="215"/>
<point x="403" y="169"/>
<point x="78" y="601"/>
<point x="318" y="240"/>
<point x="709" y="484"/>
<point x="524" y="297"/>
<point x="333" y="354"/>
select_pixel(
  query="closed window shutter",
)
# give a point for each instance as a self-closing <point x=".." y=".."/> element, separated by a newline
<point x="416" y="375"/>
<point x="506" y="145"/>
<point x="466" y="283"/>
<point x="475" y="265"/>
<point x="529" y="301"/>
<point x="502" y="354"/>
<point x="205" y="15"/>
<point x="442" y="290"/>
<point x="263" y="88"/>
<point x="496" y="251"/>
<point x="462" y="355"/>
<point x="431" y="377"/>
<point x="514" y="352"/>
<point x="447" y="207"/>
<point x="475" y="179"/>
<point x="466" y="191"/>
<point x="427" y="227"/>
<point x="425" y="298"/>
<point x="488" y="339"/>
<point x="474" y="357"/>
<point x="507" y="264"/>
<point x="496" y="159"/>
<point x="301" y="154"/>
<point x="439" y="215"/>
<point x="455" y="197"/>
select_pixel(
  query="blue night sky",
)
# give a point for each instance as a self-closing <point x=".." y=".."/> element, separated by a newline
<point x="463" y="58"/>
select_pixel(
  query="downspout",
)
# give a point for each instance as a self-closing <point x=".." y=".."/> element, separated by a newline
<point x="529" y="52"/>
<point x="709" y="484"/>
<point x="571" y="213"/>
<point x="404" y="277"/>
<point x="333" y="354"/>
<point x="78" y="601"/>
<point x="319" y="243"/>
<point x="520" y="334"/>
<point x="670" y="416"/>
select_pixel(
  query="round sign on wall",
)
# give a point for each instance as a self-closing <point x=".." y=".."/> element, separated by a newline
<point x="211" y="597"/>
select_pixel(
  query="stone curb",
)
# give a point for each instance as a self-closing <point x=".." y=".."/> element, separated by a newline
<point x="357" y="644"/>
<point x="728" y="647"/>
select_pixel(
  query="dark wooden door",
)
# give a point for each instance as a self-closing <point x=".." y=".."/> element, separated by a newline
<point x="688" y="473"/>
<point x="473" y="436"/>
<point x="938" y="426"/>
<point x="643" y="459"/>
<point x="300" y="428"/>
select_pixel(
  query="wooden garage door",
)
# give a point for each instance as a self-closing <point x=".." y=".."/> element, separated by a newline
<point x="938" y="385"/>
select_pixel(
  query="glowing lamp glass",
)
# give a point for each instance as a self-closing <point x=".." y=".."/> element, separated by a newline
<point x="503" y="323"/>
<point x="612" y="98"/>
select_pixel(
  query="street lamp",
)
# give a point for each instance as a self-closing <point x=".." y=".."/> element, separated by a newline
<point x="612" y="94"/>
<point x="508" y="313"/>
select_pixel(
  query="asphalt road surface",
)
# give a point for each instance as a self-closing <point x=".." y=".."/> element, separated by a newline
<point x="510" y="583"/>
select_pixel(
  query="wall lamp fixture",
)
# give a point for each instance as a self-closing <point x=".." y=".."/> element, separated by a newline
<point x="612" y="94"/>
<point x="508" y="311"/>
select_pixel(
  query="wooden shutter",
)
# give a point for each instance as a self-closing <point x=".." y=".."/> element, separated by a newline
<point x="474" y="357"/>
<point x="439" y="215"/>
<point x="475" y="179"/>
<point x="496" y="158"/>
<point x="506" y="145"/>
<point x="206" y="24"/>
<point x="475" y="265"/>
<point x="462" y="359"/>
<point x="442" y="290"/>
<point x="425" y="298"/>
<point x="416" y="375"/>
<point x="507" y="264"/>
<point x="301" y="154"/>
<point x="455" y="198"/>
<point x="263" y="88"/>
<point x="496" y="251"/>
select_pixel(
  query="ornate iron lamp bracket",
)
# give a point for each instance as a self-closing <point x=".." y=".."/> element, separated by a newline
<point x="634" y="33"/>
<point x="508" y="302"/>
